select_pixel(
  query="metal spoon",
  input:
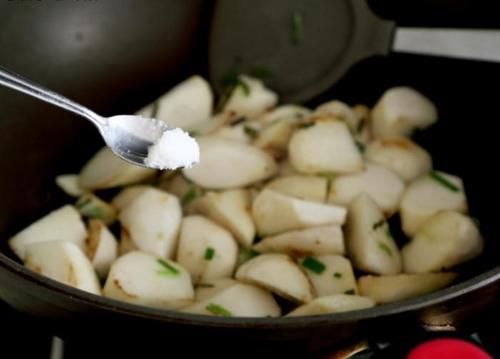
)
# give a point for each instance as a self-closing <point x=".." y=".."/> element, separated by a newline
<point x="129" y="137"/>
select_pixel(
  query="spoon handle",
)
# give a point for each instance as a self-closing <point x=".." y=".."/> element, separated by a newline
<point x="18" y="83"/>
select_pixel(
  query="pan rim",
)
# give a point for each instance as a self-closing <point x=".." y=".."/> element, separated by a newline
<point x="162" y="315"/>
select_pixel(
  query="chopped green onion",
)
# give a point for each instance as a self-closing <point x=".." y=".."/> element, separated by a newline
<point x="388" y="232"/>
<point x="189" y="196"/>
<point x="378" y="224"/>
<point x="306" y="125"/>
<point x="360" y="145"/>
<point x="350" y="292"/>
<point x="443" y="181"/>
<point x="297" y="28"/>
<point x="218" y="310"/>
<point x="246" y="254"/>
<point x="250" y="132"/>
<point x="244" y="87"/>
<point x="168" y="269"/>
<point x="260" y="72"/>
<point x="337" y="275"/>
<point x="209" y="253"/>
<point x="384" y="247"/>
<point x="313" y="265"/>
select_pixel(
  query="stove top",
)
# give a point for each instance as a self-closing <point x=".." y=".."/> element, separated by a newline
<point x="26" y="339"/>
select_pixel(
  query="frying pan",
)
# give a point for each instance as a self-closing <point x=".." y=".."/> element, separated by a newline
<point x="117" y="55"/>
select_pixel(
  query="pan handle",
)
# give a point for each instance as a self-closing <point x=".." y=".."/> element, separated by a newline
<point x="470" y="44"/>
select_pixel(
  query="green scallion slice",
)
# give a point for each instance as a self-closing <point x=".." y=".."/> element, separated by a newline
<point x="218" y="310"/>
<point x="443" y="181"/>
<point x="385" y="248"/>
<point x="209" y="253"/>
<point x="313" y="265"/>
<point x="167" y="268"/>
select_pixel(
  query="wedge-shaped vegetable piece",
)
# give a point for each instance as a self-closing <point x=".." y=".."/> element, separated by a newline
<point x="429" y="194"/>
<point x="229" y="164"/>
<point x="206" y="250"/>
<point x="284" y="113"/>
<point x="448" y="238"/>
<point x="279" y="274"/>
<point x="391" y="288"/>
<point x="101" y="247"/>
<point x="188" y="105"/>
<point x="91" y="206"/>
<point x="401" y="155"/>
<point x="238" y="300"/>
<point x="230" y="209"/>
<point x="152" y="221"/>
<point x="370" y="244"/>
<point x="310" y="241"/>
<point x="249" y="98"/>
<point x="310" y="188"/>
<point x="144" y="279"/>
<point x="245" y="132"/>
<point x="70" y="184"/>
<point x="275" y="137"/>
<point x="333" y="304"/>
<point x="207" y="289"/>
<point x="325" y="147"/>
<point x="341" y="111"/>
<point x="63" y="224"/>
<point x="383" y="185"/>
<point x="127" y="195"/>
<point x="330" y="274"/>
<point x="274" y="212"/>
<point x="401" y="110"/>
<point x="106" y="170"/>
<point x="64" y="262"/>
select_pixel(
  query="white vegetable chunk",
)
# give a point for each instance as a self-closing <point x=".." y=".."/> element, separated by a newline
<point x="274" y="138"/>
<point x="127" y="195"/>
<point x="106" y="170"/>
<point x="274" y="212"/>
<point x="188" y="105"/>
<point x="209" y="288"/>
<point x="64" y="262"/>
<point x="401" y="155"/>
<point x="336" y="303"/>
<point x="206" y="250"/>
<point x="238" y="300"/>
<point x="383" y="185"/>
<point x="401" y="110"/>
<point x="244" y="132"/>
<point x="101" y="247"/>
<point x="63" y="224"/>
<point x="341" y="111"/>
<point x="323" y="148"/>
<point x="445" y="240"/>
<point x="279" y="274"/>
<point x="250" y="99"/>
<point x="330" y="274"/>
<point x="231" y="210"/>
<point x="429" y="194"/>
<point x="141" y="278"/>
<point x="309" y="188"/>
<point x="152" y="221"/>
<point x="310" y="241"/>
<point x="70" y="184"/>
<point x="391" y="288"/>
<point x="284" y="113"/>
<point x="228" y="164"/>
<point x="370" y="244"/>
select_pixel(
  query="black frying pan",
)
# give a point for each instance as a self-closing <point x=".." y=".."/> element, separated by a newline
<point x="116" y="55"/>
